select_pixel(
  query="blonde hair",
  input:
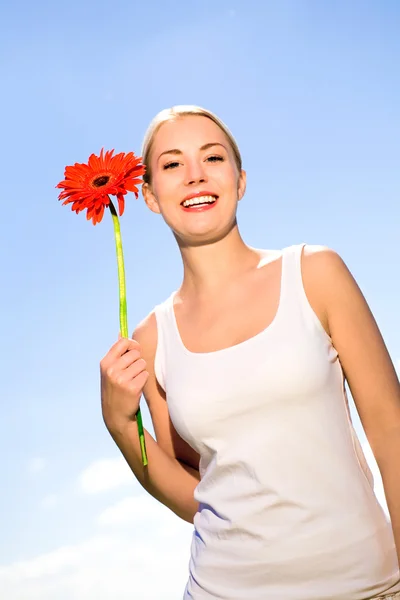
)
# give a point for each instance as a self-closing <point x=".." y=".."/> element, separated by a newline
<point x="169" y="114"/>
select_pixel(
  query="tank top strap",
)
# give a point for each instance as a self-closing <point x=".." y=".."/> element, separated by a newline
<point x="298" y="310"/>
<point x="292" y="290"/>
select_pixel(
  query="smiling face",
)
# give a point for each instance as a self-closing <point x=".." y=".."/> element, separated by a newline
<point x="195" y="182"/>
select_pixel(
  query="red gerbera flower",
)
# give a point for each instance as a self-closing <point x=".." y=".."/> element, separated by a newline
<point x="88" y="186"/>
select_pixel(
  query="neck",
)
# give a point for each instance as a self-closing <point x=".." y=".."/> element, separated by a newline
<point x="211" y="268"/>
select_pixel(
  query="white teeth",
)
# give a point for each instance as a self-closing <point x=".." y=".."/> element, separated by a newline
<point x="199" y="200"/>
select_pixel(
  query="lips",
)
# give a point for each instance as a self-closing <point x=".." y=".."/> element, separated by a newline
<point x="200" y="207"/>
<point x="198" y="194"/>
<point x="198" y="200"/>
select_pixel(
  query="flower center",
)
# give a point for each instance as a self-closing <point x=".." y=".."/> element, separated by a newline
<point x="100" y="181"/>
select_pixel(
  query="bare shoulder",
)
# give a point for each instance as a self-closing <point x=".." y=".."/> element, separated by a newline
<point x="320" y="257"/>
<point x="362" y="351"/>
<point x="146" y="335"/>
<point x="323" y="270"/>
<point x="330" y="285"/>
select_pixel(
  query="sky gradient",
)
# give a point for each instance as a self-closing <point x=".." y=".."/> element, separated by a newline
<point x="310" y="90"/>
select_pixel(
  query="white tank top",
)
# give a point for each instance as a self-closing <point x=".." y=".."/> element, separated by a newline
<point x="287" y="509"/>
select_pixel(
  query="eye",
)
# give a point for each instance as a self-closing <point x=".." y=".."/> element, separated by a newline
<point x="215" y="158"/>
<point x="170" y="165"/>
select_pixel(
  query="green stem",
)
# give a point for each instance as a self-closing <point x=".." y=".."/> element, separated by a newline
<point x="123" y="314"/>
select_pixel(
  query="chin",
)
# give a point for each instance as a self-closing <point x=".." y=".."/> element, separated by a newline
<point x="203" y="238"/>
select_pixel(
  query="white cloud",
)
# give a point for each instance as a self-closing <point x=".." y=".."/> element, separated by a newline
<point x="117" y="563"/>
<point x="106" y="474"/>
<point x="131" y="510"/>
<point x="141" y="512"/>
<point x="36" y="465"/>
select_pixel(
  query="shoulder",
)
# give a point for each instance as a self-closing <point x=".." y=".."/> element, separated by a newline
<point x="336" y="291"/>
<point x="324" y="265"/>
<point x="324" y="273"/>
<point x="145" y="334"/>
<point x="317" y="254"/>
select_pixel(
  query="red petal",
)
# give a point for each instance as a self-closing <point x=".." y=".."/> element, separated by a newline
<point x="94" y="162"/>
<point x="121" y="204"/>
<point x="131" y="186"/>
<point x="99" y="213"/>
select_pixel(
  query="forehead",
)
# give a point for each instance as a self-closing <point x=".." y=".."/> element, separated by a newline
<point x="187" y="131"/>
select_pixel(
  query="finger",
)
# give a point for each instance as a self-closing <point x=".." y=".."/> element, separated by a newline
<point x="139" y="382"/>
<point x="127" y="359"/>
<point x="115" y="368"/>
<point x="116" y="351"/>
<point x="127" y="376"/>
<point x="122" y="346"/>
<point x="136" y="368"/>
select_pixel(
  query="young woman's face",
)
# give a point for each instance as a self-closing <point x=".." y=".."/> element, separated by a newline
<point x="192" y="161"/>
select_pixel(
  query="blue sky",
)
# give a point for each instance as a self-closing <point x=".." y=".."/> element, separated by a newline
<point x="311" y="91"/>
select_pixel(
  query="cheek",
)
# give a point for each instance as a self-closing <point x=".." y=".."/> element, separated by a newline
<point x="162" y="186"/>
<point x="165" y="194"/>
<point x="234" y="176"/>
<point x="227" y="176"/>
<point x="235" y="182"/>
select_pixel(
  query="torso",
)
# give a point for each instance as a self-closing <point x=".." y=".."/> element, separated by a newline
<point x="246" y="309"/>
<point x="282" y="473"/>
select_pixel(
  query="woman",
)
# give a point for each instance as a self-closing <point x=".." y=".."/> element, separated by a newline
<point x="241" y="373"/>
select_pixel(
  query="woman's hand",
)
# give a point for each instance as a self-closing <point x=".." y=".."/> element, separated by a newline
<point x="123" y="376"/>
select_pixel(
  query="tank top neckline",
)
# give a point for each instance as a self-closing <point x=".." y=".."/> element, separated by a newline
<point x="248" y="341"/>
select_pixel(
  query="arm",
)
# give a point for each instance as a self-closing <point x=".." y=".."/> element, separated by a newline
<point x="172" y="472"/>
<point x="367" y="366"/>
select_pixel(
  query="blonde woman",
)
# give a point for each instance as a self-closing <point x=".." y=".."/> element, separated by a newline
<point x="243" y="370"/>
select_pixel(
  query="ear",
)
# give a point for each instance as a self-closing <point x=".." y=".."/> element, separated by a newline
<point x="150" y="198"/>
<point x="242" y="184"/>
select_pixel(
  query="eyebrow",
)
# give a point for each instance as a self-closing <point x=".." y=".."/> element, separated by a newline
<point x="204" y="147"/>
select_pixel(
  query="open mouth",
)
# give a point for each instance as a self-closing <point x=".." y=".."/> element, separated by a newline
<point x="200" y="202"/>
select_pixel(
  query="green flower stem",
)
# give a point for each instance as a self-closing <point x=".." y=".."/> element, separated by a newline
<point x="123" y="314"/>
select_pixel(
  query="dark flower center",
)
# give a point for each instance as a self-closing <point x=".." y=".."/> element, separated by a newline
<point x="100" y="181"/>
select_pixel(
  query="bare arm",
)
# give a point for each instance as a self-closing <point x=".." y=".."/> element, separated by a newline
<point x="167" y="479"/>
<point x="172" y="471"/>
<point x="367" y="366"/>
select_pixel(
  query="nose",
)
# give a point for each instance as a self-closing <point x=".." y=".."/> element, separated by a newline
<point x="195" y="173"/>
